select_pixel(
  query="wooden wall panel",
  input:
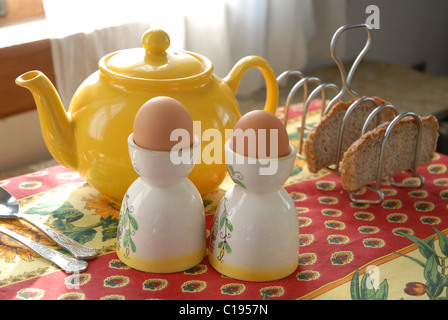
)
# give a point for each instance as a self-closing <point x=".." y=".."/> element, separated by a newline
<point x="17" y="10"/>
<point x="14" y="61"/>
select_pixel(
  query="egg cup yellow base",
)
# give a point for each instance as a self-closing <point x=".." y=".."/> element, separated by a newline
<point x="172" y="265"/>
<point x="251" y="274"/>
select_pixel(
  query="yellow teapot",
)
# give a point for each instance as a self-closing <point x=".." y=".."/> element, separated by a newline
<point x="91" y="138"/>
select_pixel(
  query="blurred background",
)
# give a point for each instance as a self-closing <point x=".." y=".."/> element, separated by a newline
<point x="65" y="39"/>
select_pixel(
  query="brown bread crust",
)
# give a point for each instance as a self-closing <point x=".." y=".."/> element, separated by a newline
<point x="360" y="162"/>
<point x="320" y="147"/>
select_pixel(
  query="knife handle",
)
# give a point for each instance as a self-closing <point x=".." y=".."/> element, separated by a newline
<point x="79" y="250"/>
<point x="68" y="264"/>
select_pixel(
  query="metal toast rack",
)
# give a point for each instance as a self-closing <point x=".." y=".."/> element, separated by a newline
<point x="346" y="80"/>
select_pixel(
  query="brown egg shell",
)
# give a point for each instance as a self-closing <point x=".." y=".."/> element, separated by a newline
<point x="157" y="119"/>
<point x="249" y="131"/>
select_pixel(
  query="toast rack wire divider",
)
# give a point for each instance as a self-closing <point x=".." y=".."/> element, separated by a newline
<point x="346" y="80"/>
<point x="414" y="172"/>
<point x="349" y="111"/>
<point x="303" y="82"/>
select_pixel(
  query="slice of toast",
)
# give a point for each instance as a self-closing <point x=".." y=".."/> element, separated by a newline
<point x="321" y="145"/>
<point x="360" y="163"/>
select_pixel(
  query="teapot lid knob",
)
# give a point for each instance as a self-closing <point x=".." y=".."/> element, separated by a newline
<point x="153" y="61"/>
<point x="155" y="41"/>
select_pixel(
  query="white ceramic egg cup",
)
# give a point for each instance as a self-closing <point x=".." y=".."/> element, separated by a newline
<point x="255" y="233"/>
<point x="162" y="224"/>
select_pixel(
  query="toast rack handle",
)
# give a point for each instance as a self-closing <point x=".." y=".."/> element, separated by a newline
<point x="347" y="78"/>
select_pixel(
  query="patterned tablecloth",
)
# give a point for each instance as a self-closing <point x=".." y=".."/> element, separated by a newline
<point x="394" y="250"/>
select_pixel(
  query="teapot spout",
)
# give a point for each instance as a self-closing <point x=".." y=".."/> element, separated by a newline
<point x="56" y="125"/>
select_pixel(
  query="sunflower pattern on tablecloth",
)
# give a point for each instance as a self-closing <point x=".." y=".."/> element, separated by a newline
<point x="11" y="250"/>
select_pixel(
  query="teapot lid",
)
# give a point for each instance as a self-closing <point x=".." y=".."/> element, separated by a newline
<point x="153" y="61"/>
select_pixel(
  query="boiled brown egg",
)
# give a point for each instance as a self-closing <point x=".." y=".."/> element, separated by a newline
<point x="254" y="136"/>
<point x="156" y="119"/>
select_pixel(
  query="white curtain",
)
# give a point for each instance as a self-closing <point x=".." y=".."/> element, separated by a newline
<point x="281" y="31"/>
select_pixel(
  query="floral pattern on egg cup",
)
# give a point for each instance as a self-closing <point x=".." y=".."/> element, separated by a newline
<point x="162" y="223"/>
<point x="255" y="232"/>
<point x="259" y="175"/>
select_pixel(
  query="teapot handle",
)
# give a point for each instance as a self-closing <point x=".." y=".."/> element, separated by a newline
<point x="237" y="72"/>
